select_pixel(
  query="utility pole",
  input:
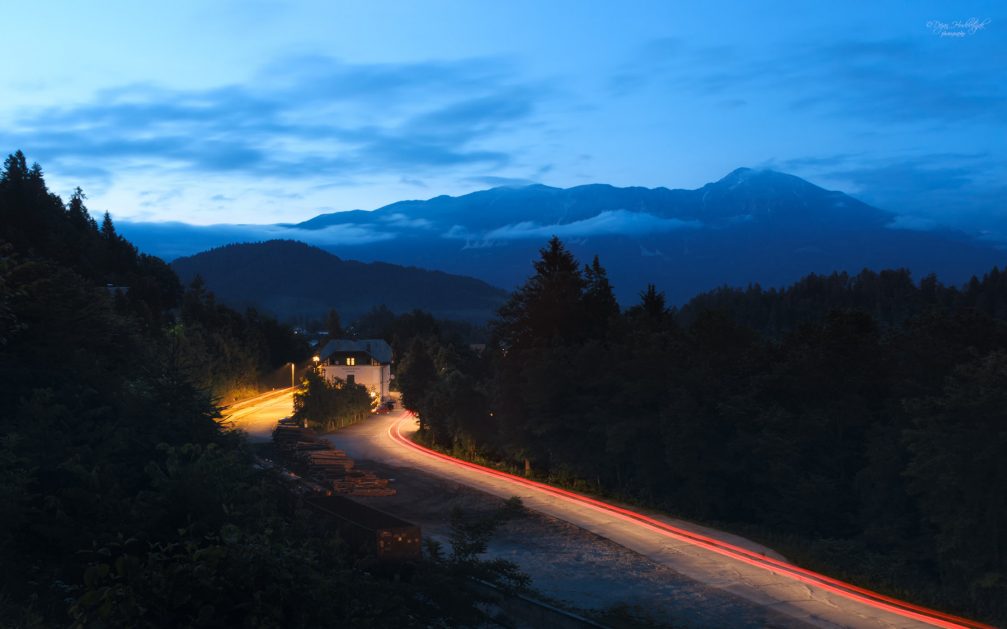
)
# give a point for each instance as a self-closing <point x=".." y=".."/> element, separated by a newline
<point x="291" y="375"/>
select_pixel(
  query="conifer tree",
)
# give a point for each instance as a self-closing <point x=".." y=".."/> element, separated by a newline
<point x="15" y="169"/>
<point x="600" y="307"/>
<point x="79" y="216"/>
<point x="107" y="228"/>
<point x="547" y="310"/>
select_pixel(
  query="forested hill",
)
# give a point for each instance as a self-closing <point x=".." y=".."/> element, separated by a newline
<point x="293" y="280"/>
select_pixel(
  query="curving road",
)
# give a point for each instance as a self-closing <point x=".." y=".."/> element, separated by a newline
<point x="711" y="557"/>
<point x="257" y="417"/>
<point x="714" y="558"/>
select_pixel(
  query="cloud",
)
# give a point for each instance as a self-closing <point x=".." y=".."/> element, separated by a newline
<point x="457" y="232"/>
<point x="401" y="220"/>
<point x="913" y="179"/>
<point x="152" y="198"/>
<point x="882" y="80"/>
<point x="170" y="240"/>
<point x="914" y="223"/>
<point x="410" y="181"/>
<point x="607" y="223"/>
<point x="495" y="181"/>
<point x="816" y="161"/>
<point x="960" y="190"/>
<point x="612" y="222"/>
<point x="325" y="81"/>
<point x="301" y="118"/>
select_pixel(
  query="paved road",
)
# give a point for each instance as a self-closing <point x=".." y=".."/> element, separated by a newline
<point x="384" y="439"/>
<point x="684" y="547"/>
<point x="257" y="417"/>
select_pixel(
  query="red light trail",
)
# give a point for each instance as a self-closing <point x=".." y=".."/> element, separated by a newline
<point x="847" y="590"/>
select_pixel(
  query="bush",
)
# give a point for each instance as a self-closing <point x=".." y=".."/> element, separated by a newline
<point x="325" y="405"/>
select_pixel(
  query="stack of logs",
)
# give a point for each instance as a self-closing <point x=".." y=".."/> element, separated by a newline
<point x="318" y="461"/>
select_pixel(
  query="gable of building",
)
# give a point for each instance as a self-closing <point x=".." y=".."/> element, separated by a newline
<point x="363" y="352"/>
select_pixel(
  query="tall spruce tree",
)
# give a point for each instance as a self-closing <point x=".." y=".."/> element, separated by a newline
<point x="547" y="310"/>
<point x="601" y="310"/>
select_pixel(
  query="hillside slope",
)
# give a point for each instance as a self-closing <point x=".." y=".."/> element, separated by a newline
<point x="291" y="279"/>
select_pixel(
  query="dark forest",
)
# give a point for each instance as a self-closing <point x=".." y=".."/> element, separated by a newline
<point x="857" y="423"/>
<point x="124" y="503"/>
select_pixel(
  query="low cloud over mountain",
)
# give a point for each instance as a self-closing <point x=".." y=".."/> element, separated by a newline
<point x="751" y="226"/>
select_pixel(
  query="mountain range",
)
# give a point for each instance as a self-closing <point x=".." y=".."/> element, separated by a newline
<point x="296" y="281"/>
<point x="752" y="226"/>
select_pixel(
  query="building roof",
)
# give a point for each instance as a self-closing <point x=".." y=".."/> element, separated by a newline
<point x="378" y="349"/>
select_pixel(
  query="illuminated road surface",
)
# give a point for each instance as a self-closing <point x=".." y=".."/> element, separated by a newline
<point x="257" y="417"/>
<point x="713" y="558"/>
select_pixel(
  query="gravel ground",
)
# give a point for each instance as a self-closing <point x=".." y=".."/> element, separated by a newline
<point x="570" y="566"/>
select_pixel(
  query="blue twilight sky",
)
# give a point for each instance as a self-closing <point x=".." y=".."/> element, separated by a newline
<point x="258" y="112"/>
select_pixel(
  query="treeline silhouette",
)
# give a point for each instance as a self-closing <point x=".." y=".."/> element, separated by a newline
<point x="857" y="423"/>
<point x="891" y="297"/>
<point x="221" y="349"/>
<point x="123" y="503"/>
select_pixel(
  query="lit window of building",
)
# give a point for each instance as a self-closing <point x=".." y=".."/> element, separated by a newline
<point x="351" y="361"/>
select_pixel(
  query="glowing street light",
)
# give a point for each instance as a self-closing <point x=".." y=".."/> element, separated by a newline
<point x="291" y="375"/>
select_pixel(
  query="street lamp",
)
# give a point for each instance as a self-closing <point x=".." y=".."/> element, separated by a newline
<point x="291" y="375"/>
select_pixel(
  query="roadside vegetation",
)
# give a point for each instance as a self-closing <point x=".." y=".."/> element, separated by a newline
<point x="326" y="406"/>
<point x="857" y="423"/>
<point x="123" y="503"/>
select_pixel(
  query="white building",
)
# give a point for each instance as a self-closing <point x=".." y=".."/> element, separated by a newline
<point x="367" y="362"/>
